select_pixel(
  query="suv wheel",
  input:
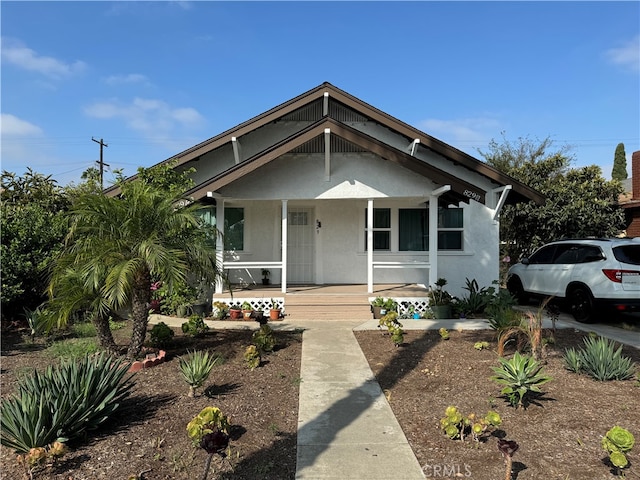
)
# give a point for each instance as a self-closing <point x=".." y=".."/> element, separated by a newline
<point x="514" y="285"/>
<point x="581" y="303"/>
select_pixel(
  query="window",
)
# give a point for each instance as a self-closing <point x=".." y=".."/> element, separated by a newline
<point x="381" y="229"/>
<point x="234" y="228"/>
<point x="450" y="228"/>
<point x="413" y="229"/>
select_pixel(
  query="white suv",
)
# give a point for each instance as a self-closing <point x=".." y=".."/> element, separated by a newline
<point x="586" y="273"/>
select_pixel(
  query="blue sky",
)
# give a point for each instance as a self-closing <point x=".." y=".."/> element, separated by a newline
<point x="154" y="78"/>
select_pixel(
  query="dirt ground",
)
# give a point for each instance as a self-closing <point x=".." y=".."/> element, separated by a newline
<point x="148" y="438"/>
<point x="559" y="434"/>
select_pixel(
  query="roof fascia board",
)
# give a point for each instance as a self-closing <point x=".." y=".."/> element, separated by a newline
<point x="434" y="144"/>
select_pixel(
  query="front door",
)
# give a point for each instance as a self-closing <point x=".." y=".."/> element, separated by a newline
<point x="300" y="245"/>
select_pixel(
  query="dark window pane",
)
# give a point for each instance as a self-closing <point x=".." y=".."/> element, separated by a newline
<point x="234" y="228"/>
<point x="414" y="230"/>
<point x="450" y="218"/>
<point x="381" y="241"/>
<point x="381" y="218"/>
<point x="449" y="240"/>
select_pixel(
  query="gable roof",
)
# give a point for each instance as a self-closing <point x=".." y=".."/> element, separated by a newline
<point x="461" y="190"/>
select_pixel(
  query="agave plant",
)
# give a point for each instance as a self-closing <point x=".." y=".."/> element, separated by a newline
<point x="63" y="402"/>
<point x="196" y="368"/>
<point x="520" y="375"/>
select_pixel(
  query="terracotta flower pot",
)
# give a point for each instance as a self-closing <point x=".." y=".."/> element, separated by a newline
<point x="235" y="314"/>
<point x="274" y="314"/>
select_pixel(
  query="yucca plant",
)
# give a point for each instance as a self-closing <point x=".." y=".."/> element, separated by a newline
<point x="601" y="360"/>
<point x="573" y="360"/>
<point x="63" y="402"/>
<point x="196" y="368"/>
<point x="520" y="375"/>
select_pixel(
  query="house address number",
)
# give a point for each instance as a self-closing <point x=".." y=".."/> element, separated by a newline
<point x="473" y="195"/>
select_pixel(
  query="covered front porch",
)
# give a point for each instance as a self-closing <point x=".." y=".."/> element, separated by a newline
<point x="324" y="302"/>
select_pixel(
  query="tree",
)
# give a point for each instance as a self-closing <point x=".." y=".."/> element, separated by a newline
<point x="619" y="171"/>
<point x="579" y="202"/>
<point x="117" y="245"/>
<point x="33" y="230"/>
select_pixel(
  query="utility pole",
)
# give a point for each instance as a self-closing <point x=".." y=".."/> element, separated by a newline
<point x="101" y="161"/>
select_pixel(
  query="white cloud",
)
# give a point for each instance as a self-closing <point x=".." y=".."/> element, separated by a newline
<point x="10" y="125"/>
<point x="155" y="119"/>
<point x="464" y="132"/>
<point x="16" y="53"/>
<point x="627" y="55"/>
<point x="127" y="79"/>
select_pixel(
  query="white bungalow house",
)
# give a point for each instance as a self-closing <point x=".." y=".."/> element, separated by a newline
<point x="327" y="189"/>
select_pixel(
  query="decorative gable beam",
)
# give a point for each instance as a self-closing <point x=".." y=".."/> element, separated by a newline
<point x="325" y="104"/>
<point x="236" y="150"/>
<point x="460" y="189"/>
<point x="327" y="154"/>
<point x="413" y="146"/>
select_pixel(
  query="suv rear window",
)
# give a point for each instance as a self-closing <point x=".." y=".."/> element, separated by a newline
<point x="627" y="254"/>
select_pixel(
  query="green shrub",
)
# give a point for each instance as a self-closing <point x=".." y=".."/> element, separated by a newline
<point x="195" y="327"/>
<point x="477" y="300"/>
<point x="114" y="325"/>
<point x="264" y="339"/>
<point x="503" y="318"/>
<point x="63" y="402"/>
<point x="600" y="359"/>
<point x="196" y="368"/>
<point x="252" y="357"/>
<point x="161" y="335"/>
<point x="83" y="330"/>
<point x="520" y="375"/>
<point x="73" y="348"/>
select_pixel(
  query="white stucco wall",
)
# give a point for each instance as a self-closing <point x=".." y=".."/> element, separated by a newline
<point x="339" y="204"/>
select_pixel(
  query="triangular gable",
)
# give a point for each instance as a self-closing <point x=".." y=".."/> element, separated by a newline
<point x="322" y="93"/>
<point x="459" y="187"/>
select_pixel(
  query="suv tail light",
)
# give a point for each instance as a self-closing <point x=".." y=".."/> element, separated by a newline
<point x="616" y="275"/>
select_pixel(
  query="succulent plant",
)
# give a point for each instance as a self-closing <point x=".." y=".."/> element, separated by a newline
<point x="618" y="439"/>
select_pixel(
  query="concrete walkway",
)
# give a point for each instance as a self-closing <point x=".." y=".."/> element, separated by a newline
<point x="346" y="429"/>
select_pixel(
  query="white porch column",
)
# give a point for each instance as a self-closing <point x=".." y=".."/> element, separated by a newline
<point x="284" y="246"/>
<point x="219" y="241"/>
<point x="433" y="232"/>
<point x="370" y="245"/>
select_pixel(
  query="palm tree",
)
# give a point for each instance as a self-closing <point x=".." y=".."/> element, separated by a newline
<point x="117" y="245"/>
<point x="68" y="295"/>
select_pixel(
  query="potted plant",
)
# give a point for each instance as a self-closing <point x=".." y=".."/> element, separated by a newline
<point x="381" y="306"/>
<point x="275" y="311"/>
<point x="440" y="300"/>
<point x="219" y="310"/>
<point x="235" y="311"/>
<point x="265" y="276"/>
<point x="247" y="310"/>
